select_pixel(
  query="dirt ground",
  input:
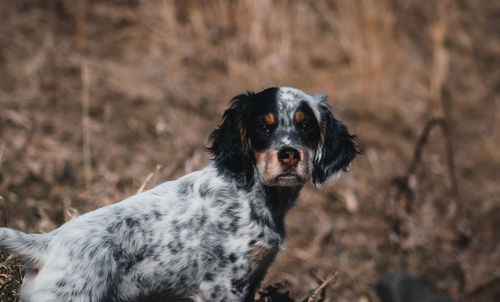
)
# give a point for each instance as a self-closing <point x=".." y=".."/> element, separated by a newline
<point x="98" y="98"/>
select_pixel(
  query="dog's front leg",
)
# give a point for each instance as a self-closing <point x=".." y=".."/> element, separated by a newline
<point x="221" y="290"/>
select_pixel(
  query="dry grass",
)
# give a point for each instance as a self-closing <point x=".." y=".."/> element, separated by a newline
<point x="99" y="99"/>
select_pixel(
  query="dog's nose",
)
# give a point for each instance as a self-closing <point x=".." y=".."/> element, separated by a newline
<point x="288" y="156"/>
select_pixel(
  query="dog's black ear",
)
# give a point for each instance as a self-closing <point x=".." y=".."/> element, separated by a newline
<point x="229" y="147"/>
<point x="336" y="149"/>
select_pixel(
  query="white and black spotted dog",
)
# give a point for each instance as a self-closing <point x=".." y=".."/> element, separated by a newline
<point x="207" y="236"/>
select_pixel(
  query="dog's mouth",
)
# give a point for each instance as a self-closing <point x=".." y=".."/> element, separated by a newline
<point x="275" y="173"/>
<point x="289" y="179"/>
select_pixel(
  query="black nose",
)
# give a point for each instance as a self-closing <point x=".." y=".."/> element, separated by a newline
<point x="288" y="156"/>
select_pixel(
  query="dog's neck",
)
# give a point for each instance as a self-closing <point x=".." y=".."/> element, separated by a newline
<point x="279" y="201"/>
<point x="270" y="205"/>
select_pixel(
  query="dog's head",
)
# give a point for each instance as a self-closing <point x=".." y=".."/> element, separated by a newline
<point x="285" y="135"/>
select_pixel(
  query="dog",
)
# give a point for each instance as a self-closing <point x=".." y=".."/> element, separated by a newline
<point x="207" y="236"/>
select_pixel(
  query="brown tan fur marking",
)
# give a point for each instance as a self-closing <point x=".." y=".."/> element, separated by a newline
<point x="299" y="116"/>
<point x="269" y="119"/>
<point x="243" y="134"/>
<point x="322" y="133"/>
<point x="263" y="256"/>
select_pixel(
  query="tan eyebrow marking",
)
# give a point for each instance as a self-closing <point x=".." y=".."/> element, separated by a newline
<point x="269" y="119"/>
<point x="299" y="116"/>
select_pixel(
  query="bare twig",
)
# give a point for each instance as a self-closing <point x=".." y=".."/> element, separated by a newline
<point x="402" y="184"/>
<point x="87" y="169"/>
<point x="5" y="215"/>
<point x="315" y="294"/>
<point x="440" y="63"/>
<point x="81" y="7"/>
<point x="2" y="150"/>
<point x="148" y="178"/>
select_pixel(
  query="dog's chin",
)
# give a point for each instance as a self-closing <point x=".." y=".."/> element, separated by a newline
<point x="286" y="180"/>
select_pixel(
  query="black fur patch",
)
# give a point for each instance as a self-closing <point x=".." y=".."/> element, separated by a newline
<point x="338" y="148"/>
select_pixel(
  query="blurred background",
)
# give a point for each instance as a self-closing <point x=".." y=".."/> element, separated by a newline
<point x="101" y="99"/>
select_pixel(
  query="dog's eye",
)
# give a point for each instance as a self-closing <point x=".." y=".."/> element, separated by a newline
<point x="305" y="127"/>
<point x="264" y="129"/>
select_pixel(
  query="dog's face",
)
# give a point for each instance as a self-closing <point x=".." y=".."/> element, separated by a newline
<point x="281" y="133"/>
<point x="284" y="134"/>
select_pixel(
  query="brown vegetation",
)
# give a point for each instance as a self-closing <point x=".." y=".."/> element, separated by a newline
<point x="101" y="99"/>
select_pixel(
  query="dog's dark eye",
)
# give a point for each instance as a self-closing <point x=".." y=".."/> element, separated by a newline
<point x="264" y="129"/>
<point x="305" y="127"/>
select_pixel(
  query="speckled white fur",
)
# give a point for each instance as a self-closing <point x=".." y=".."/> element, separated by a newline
<point x="84" y="248"/>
